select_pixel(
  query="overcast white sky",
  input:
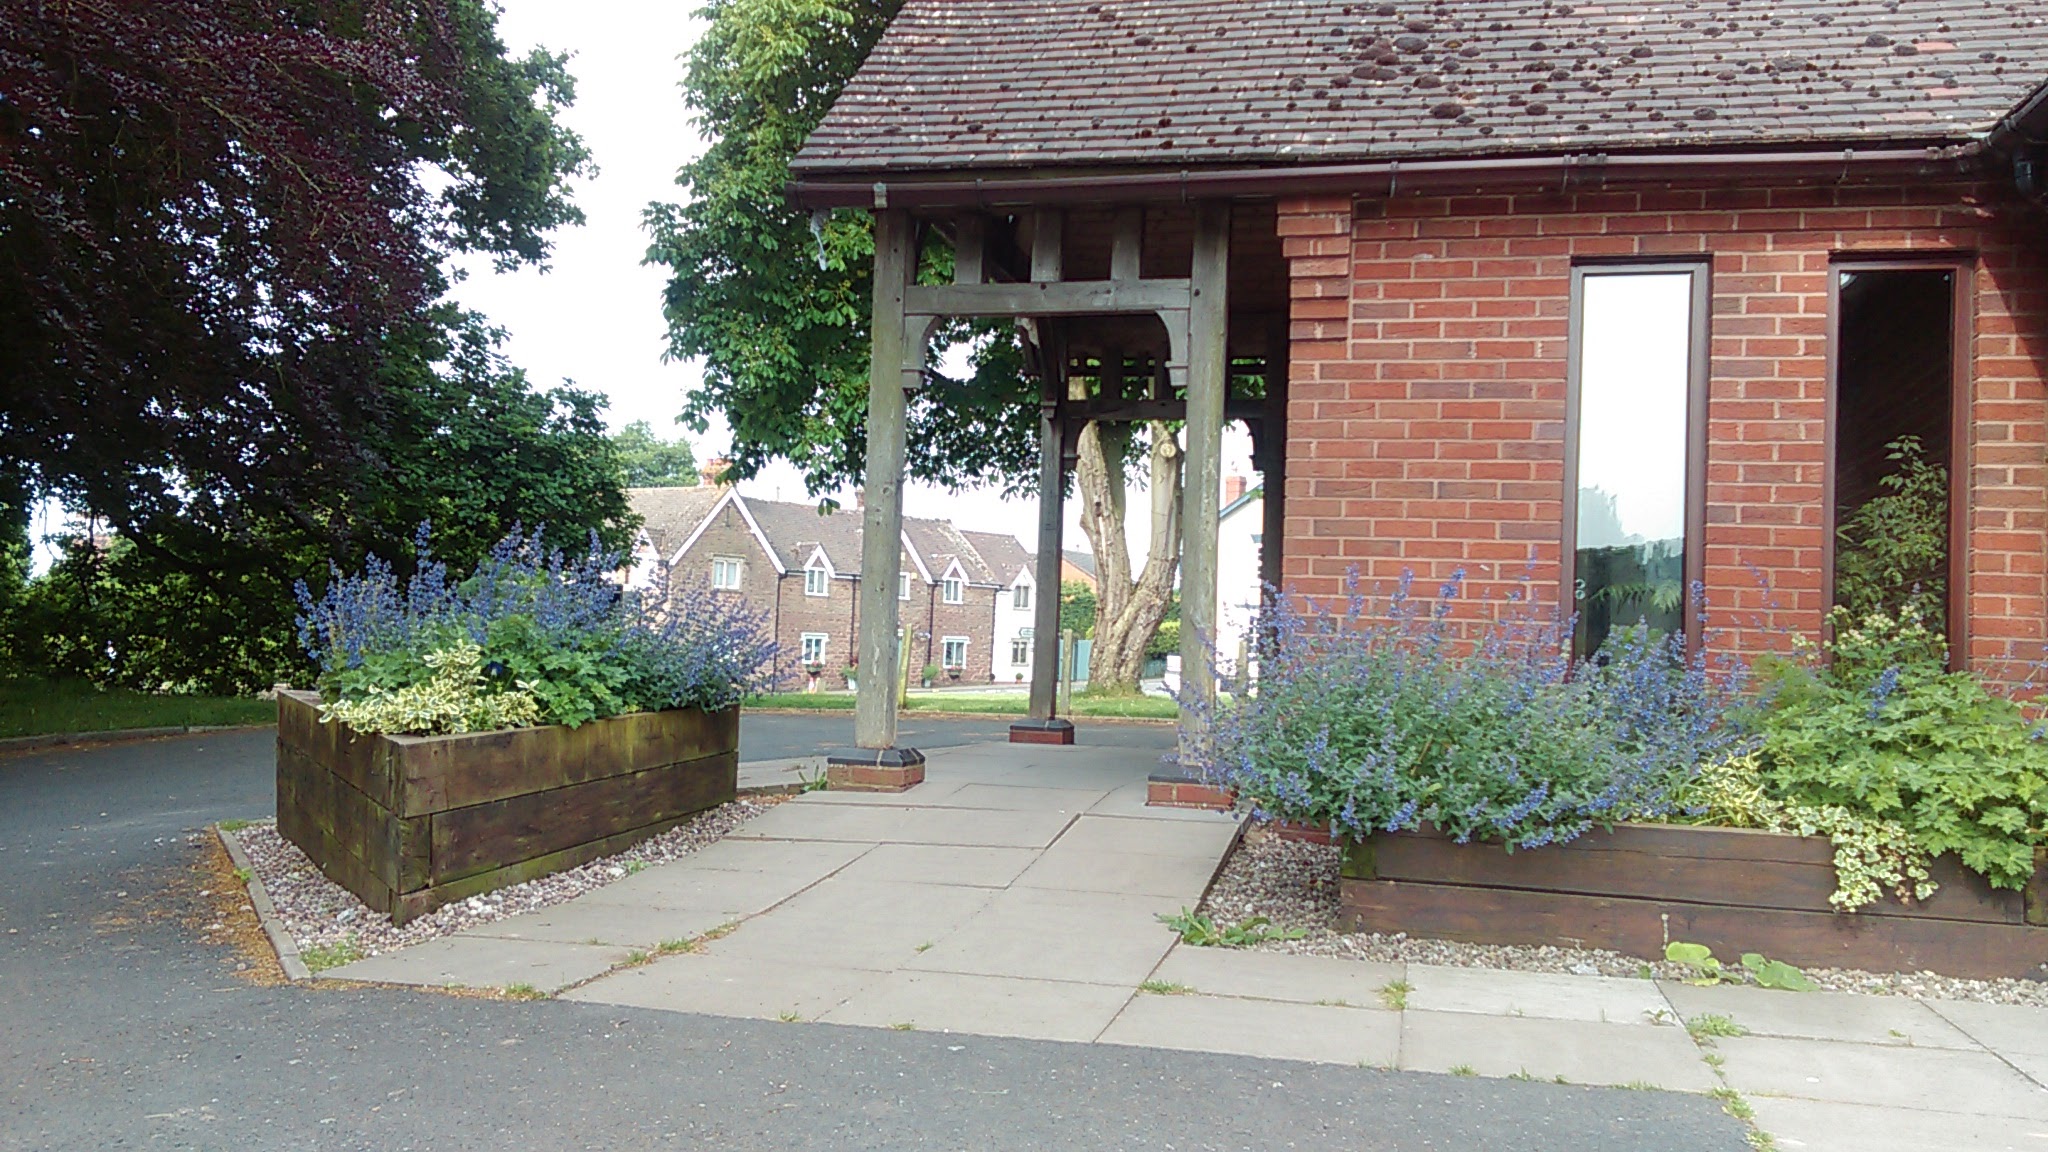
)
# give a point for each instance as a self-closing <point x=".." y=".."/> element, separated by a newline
<point x="595" y="318"/>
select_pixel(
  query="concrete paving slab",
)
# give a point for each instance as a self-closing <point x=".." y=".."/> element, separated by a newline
<point x="2007" y="1029"/>
<point x="941" y="864"/>
<point x="584" y="921"/>
<point x="927" y="793"/>
<point x="1283" y="1031"/>
<point x="1080" y="869"/>
<point x="1895" y="1020"/>
<point x="985" y="1005"/>
<point x="1129" y="800"/>
<point x="1543" y="995"/>
<point x="804" y="819"/>
<point x="1037" y="934"/>
<point x="1153" y="837"/>
<point x="866" y="924"/>
<point x="1824" y="1126"/>
<point x="484" y="962"/>
<point x="806" y="860"/>
<point x="728" y="986"/>
<point x="1581" y="1051"/>
<point x="684" y="886"/>
<point x="1020" y="797"/>
<point x="2031" y="1065"/>
<point x="1278" y="976"/>
<point x="1930" y="1079"/>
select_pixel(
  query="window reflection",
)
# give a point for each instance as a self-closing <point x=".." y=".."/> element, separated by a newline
<point x="1635" y="333"/>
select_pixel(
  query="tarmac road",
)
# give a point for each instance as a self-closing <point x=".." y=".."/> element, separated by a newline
<point x="120" y="1028"/>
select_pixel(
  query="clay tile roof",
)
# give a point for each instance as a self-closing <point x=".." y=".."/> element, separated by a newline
<point x="940" y="543"/>
<point x="1003" y="554"/>
<point x="796" y="529"/>
<point x="980" y="84"/>
<point x="671" y="514"/>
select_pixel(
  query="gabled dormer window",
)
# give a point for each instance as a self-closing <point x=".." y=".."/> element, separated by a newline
<point x="816" y="576"/>
<point x="1020" y="596"/>
<point x="954" y="590"/>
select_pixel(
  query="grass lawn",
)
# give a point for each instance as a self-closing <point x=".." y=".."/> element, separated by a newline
<point x="998" y="703"/>
<point x="41" y="707"/>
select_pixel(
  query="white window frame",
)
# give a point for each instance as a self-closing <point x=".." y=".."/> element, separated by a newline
<point x="1020" y="649"/>
<point x="953" y="590"/>
<point x="946" y="647"/>
<point x="817" y="578"/>
<point x="732" y="564"/>
<point x="903" y="586"/>
<point x="804" y="643"/>
<point x="1020" y="596"/>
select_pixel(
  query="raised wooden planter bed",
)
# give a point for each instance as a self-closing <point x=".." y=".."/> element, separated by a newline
<point x="409" y="823"/>
<point x="1735" y="890"/>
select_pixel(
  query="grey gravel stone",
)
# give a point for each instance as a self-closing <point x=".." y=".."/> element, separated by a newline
<point x="320" y="913"/>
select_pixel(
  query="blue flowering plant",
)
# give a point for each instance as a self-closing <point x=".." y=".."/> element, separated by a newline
<point x="1392" y="712"/>
<point x="561" y="630"/>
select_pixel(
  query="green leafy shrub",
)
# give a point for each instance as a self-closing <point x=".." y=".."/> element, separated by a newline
<point x="1882" y="732"/>
<point x="456" y="698"/>
<point x="1892" y="552"/>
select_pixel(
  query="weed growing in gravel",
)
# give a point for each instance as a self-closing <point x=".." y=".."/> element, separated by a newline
<point x="675" y="947"/>
<point x="1707" y="1026"/>
<point x="635" y="867"/>
<point x="244" y="875"/>
<point x="720" y="932"/>
<point x="321" y="957"/>
<point x="1733" y="1103"/>
<point x="233" y="825"/>
<point x="1165" y="988"/>
<point x="1522" y="1075"/>
<point x="1394" y="994"/>
<point x="1640" y="1086"/>
<point x="522" y="992"/>
<point x="1203" y="932"/>
<point x="1464" y="1070"/>
<point x="634" y="959"/>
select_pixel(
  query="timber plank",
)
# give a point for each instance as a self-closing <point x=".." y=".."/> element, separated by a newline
<point x="478" y="838"/>
<point x="1694" y="865"/>
<point x="419" y="902"/>
<point x="1642" y="927"/>
<point x="440" y="773"/>
<point x="342" y="831"/>
<point x="363" y="761"/>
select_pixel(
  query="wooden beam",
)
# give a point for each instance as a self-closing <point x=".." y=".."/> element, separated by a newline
<point x="1048" y="228"/>
<point x="1045" y="613"/>
<point x="1208" y="382"/>
<point x="970" y="237"/>
<point x="874" y="712"/>
<point x="1067" y="298"/>
<point x="1126" y="243"/>
<point x="1109" y="410"/>
<point x="1273" y="469"/>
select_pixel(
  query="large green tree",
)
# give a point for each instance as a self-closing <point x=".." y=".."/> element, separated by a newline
<point x="775" y="303"/>
<point x="225" y="233"/>
<point x="651" y="462"/>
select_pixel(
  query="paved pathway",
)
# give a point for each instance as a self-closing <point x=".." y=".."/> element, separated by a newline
<point x="1017" y="893"/>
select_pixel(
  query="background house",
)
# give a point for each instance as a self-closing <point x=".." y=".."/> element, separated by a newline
<point x="966" y="596"/>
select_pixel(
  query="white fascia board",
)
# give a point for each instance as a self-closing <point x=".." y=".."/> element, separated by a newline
<point x="922" y="571"/>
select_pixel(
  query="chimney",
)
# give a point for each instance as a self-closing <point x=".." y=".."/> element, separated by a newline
<point x="712" y="472"/>
<point x="1233" y="487"/>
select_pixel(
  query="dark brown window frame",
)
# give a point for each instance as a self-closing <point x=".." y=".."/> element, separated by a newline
<point x="1699" y="378"/>
<point x="1961" y="441"/>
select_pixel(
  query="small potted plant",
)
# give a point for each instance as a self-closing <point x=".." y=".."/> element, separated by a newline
<point x="852" y="673"/>
<point x="1020" y="677"/>
<point x="931" y="674"/>
<point x="953" y="671"/>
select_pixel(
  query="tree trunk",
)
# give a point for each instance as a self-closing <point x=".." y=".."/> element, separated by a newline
<point x="1127" y="609"/>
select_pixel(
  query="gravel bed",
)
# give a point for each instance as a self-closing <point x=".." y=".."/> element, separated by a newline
<point x="1294" y="884"/>
<point x="321" y="914"/>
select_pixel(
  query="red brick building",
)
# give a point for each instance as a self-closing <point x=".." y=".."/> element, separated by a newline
<point x="802" y="568"/>
<point x="1604" y="302"/>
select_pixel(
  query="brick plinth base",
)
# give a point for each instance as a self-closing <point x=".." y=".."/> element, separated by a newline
<point x="1302" y="832"/>
<point x="1053" y="731"/>
<point x="1174" y="791"/>
<point x="869" y="770"/>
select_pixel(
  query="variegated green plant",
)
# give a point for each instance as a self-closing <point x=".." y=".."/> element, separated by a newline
<point x="456" y="698"/>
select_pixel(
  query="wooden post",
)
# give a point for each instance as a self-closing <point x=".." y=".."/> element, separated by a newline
<point x="1273" y="465"/>
<point x="1208" y="379"/>
<point x="1044" y="725"/>
<point x="874" y="711"/>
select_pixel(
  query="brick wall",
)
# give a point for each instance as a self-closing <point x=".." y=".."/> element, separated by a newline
<point x="1427" y="388"/>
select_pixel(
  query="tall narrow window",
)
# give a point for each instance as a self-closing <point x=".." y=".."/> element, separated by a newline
<point x="1020" y="596"/>
<point x="1894" y="442"/>
<point x="954" y="590"/>
<point x="816" y="578"/>
<point x="1634" y="458"/>
<point x="903" y="585"/>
